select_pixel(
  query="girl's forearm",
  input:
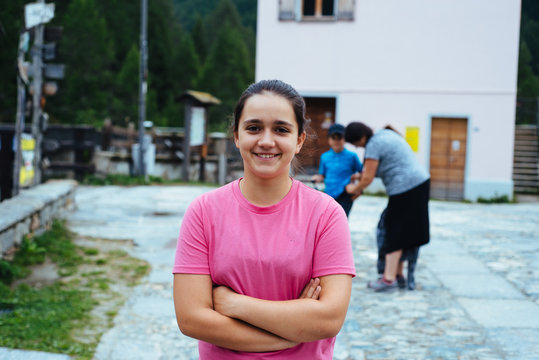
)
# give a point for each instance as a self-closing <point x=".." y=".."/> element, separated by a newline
<point x="209" y="326"/>
<point x="300" y="320"/>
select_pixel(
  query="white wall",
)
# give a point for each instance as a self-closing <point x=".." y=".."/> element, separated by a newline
<point x="405" y="61"/>
<point x="413" y="45"/>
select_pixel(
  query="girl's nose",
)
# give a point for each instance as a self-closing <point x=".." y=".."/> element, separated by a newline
<point x="266" y="139"/>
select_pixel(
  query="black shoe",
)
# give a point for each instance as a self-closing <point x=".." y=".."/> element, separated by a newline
<point x="401" y="282"/>
<point x="411" y="277"/>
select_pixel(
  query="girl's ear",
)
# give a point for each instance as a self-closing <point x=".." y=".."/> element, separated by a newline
<point x="236" y="139"/>
<point x="301" y="141"/>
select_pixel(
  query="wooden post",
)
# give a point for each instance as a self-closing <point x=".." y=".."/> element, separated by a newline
<point x="37" y="64"/>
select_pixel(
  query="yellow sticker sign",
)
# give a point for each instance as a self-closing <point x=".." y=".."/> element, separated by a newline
<point x="26" y="176"/>
<point x="412" y="137"/>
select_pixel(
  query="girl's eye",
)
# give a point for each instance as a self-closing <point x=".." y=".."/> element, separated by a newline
<point x="282" y="130"/>
<point x="251" y="128"/>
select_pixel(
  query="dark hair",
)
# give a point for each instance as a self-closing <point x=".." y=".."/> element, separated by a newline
<point x="355" y="131"/>
<point x="276" y="87"/>
<point x="389" y="127"/>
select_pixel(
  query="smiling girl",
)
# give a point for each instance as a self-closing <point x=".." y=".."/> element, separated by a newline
<point x="264" y="265"/>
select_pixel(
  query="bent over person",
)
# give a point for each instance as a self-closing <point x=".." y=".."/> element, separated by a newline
<point x="406" y="217"/>
<point x="264" y="265"/>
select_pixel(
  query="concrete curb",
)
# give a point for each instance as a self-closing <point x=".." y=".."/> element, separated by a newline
<point x="32" y="211"/>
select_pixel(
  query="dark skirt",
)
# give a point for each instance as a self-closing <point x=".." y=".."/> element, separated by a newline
<point x="407" y="219"/>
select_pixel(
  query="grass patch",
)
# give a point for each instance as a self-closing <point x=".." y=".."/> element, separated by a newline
<point x="70" y="313"/>
<point x="504" y="199"/>
<point x="127" y="180"/>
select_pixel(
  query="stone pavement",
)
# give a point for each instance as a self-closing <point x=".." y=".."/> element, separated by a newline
<point x="477" y="295"/>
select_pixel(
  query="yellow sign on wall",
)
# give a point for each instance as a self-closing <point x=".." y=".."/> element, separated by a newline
<point x="28" y="144"/>
<point x="412" y="137"/>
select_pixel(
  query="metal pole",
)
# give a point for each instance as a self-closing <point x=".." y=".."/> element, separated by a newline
<point x="143" y="83"/>
<point x="36" y="103"/>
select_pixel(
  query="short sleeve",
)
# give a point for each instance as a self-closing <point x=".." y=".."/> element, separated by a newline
<point x="333" y="249"/>
<point x="373" y="149"/>
<point x="192" y="247"/>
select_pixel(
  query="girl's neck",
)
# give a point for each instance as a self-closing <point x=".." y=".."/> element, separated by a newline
<point x="265" y="192"/>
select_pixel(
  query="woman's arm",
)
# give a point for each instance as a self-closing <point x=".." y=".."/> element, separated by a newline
<point x="197" y="318"/>
<point x="300" y="320"/>
<point x="367" y="176"/>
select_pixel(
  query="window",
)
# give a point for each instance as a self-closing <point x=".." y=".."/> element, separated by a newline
<point x="316" y="10"/>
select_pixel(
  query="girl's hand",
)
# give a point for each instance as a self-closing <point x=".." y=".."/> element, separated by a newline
<point x="311" y="290"/>
<point x="317" y="178"/>
<point x="223" y="300"/>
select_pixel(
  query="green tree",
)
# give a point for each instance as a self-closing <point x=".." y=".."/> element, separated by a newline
<point x="164" y="35"/>
<point x="528" y="82"/>
<point x="123" y="23"/>
<point x="226" y="74"/>
<point x="84" y="96"/>
<point x="125" y="101"/>
<point x="11" y="23"/>
<point x="198" y="34"/>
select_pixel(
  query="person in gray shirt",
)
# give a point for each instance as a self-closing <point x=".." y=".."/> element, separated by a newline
<point x="406" y="217"/>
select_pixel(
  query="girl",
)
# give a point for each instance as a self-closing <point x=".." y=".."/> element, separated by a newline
<point x="264" y="265"/>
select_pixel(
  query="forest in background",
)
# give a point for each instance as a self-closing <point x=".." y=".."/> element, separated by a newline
<point x="200" y="45"/>
<point x="192" y="44"/>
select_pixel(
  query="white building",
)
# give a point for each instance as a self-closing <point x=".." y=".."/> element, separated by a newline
<point x="442" y="72"/>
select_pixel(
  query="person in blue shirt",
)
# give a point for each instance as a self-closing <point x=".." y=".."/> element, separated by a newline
<point x="338" y="167"/>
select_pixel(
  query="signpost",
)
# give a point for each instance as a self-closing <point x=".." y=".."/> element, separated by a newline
<point x="38" y="13"/>
<point x="195" y="129"/>
<point x="35" y="16"/>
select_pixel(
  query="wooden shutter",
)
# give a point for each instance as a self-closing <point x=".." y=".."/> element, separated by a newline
<point x="346" y="9"/>
<point x="287" y="9"/>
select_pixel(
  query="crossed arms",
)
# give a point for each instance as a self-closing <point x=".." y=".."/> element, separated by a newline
<point x="224" y="318"/>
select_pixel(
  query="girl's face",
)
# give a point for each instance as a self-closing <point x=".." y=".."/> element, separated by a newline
<point x="267" y="136"/>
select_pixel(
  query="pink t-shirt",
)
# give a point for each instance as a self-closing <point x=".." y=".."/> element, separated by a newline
<point x="265" y="252"/>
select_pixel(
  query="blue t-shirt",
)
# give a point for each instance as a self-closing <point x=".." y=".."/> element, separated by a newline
<point x="397" y="164"/>
<point x="337" y="169"/>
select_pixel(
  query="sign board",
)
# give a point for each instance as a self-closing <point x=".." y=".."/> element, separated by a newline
<point x="38" y="13"/>
<point x="54" y="71"/>
<point x="198" y="126"/>
<point x="26" y="174"/>
<point x="412" y="137"/>
<point x="49" y="51"/>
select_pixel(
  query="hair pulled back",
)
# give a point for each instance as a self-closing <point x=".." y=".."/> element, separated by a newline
<point x="276" y="87"/>
<point x="355" y="131"/>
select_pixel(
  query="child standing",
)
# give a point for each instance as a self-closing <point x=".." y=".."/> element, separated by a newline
<point x="264" y="264"/>
<point x="337" y="165"/>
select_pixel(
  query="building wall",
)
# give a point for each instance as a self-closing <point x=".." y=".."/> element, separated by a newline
<point x="404" y="62"/>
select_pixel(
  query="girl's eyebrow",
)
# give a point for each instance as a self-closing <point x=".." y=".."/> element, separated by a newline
<point x="277" y="122"/>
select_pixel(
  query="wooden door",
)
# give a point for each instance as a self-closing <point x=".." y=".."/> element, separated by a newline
<point x="321" y="111"/>
<point x="448" y="158"/>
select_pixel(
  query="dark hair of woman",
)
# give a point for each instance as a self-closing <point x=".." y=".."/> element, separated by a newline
<point x="355" y="131"/>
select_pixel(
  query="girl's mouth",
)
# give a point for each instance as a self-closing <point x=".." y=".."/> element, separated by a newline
<point x="267" y="156"/>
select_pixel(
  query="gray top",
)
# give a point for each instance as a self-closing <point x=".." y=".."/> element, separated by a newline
<point x="397" y="165"/>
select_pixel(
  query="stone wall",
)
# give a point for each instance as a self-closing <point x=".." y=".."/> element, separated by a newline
<point x="32" y="212"/>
